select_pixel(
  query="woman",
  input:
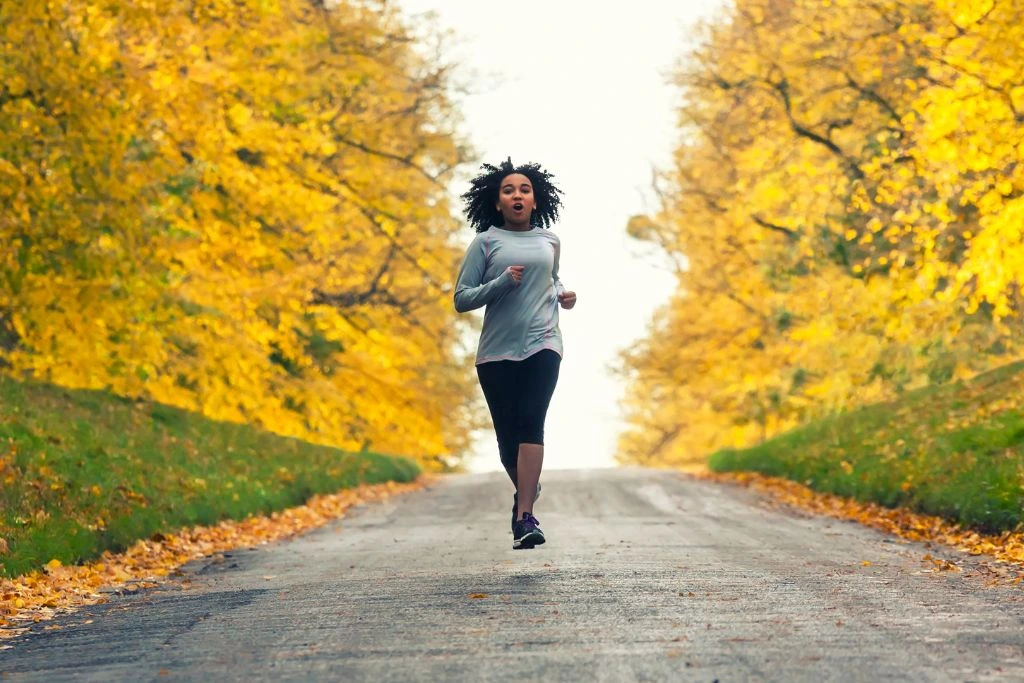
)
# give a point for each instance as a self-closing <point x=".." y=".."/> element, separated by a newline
<point x="511" y="267"/>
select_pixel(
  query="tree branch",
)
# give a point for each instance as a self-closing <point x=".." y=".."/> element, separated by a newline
<point x="788" y="232"/>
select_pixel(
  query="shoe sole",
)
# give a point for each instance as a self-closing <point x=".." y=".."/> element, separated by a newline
<point x="528" y="541"/>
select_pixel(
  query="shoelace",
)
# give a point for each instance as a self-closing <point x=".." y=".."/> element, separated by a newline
<point x="528" y="517"/>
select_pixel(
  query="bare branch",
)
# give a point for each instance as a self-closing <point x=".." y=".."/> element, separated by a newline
<point x="788" y="232"/>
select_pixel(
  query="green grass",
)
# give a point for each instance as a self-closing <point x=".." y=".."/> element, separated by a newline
<point x="954" y="450"/>
<point x="84" y="471"/>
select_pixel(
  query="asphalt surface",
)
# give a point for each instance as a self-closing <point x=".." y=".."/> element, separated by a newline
<point x="646" y="576"/>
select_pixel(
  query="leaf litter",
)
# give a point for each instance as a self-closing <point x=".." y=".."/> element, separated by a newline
<point x="58" y="589"/>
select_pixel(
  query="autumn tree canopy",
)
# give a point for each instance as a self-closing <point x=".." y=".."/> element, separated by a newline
<point x="847" y="199"/>
<point x="237" y="207"/>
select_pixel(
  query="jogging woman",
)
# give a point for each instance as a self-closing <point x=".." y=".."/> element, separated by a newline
<point x="511" y="267"/>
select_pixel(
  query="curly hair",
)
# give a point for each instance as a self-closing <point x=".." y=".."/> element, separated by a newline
<point x="483" y="195"/>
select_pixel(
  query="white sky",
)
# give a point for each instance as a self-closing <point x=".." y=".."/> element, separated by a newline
<point x="582" y="89"/>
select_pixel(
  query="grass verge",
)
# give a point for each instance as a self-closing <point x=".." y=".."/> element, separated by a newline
<point x="83" y="472"/>
<point x="955" y="451"/>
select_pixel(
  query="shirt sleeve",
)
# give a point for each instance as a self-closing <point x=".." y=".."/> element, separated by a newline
<point x="559" y="287"/>
<point x="471" y="292"/>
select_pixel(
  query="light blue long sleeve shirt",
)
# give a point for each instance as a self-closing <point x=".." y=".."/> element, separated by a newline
<point x="519" y="319"/>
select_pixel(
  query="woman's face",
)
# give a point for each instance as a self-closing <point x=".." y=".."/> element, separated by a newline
<point x="515" y="199"/>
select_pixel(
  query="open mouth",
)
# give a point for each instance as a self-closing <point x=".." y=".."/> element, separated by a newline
<point x="518" y="206"/>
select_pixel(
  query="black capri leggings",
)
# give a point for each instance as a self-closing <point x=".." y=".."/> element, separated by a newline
<point x="518" y="394"/>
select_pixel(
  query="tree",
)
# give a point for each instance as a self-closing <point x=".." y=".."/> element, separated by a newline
<point x="835" y="254"/>
<point x="238" y="208"/>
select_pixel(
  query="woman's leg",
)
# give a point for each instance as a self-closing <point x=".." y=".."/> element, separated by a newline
<point x="530" y="463"/>
<point x="499" y="382"/>
<point x="537" y="385"/>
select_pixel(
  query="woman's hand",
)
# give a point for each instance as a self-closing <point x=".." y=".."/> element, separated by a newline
<point x="567" y="299"/>
<point x="516" y="272"/>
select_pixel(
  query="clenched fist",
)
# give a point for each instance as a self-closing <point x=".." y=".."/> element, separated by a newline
<point x="567" y="299"/>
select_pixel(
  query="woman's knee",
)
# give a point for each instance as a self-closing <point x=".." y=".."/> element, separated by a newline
<point x="532" y="432"/>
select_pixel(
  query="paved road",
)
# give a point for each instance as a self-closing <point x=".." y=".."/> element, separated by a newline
<point x="646" y="576"/>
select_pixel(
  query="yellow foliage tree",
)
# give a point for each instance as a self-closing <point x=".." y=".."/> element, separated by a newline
<point x="845" y="199"/>
<point x="238" y="208"/>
